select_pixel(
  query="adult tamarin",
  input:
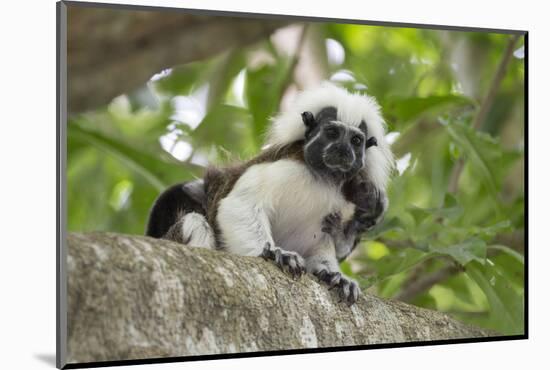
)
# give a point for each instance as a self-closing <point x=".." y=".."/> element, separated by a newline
<point x="302" y="202"/>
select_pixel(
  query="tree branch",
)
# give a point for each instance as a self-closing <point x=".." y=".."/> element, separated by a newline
<point x="133" y="297"/>
<point x="423" y="284"/>
<point x="115" y="51"/>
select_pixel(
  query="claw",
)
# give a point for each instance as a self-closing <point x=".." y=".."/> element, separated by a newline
<point x="266" y="252"/>
<point x="292" y="263"/>
<point x="285" y="260"/>
<point x="321" y="275"/>
<point x="335" y="280"/>
<point x="294" y="267"/>
<point x="348" y="290"/>
<point x="298" y="271"/>
<point x="344" y="291"/>
<point x="299" y="266"/>
<point x="279" y="258"/>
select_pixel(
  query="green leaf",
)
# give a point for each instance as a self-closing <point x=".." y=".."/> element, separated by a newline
<point x="376" y="250"/>
<point x="391" y="285"/>
<point x="182" y="79"/>
<point x="419" y="214"/>
<point x="407" y="109"/>
<point x="473" y="249"/>
<point x="488" y="159"/>
<point x="451" y="209"/>
<point x="474" y="145"/>
<point x="264" y="89"/>
<point x="465" y="292"/>
<point x="222" y="74"/>
<point x="509" y="251"/>
<point x="392" y="226"/>
<point x="489" y="232"/>
<point x="158" y="172"/>
<point x="398" y="261"/>
<point x="512" y="268"/>
<point x="507" y="307"/>
<point x="227" y="127"/>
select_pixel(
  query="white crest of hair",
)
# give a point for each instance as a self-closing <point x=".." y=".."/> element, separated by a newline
<point x="352" y="108"/>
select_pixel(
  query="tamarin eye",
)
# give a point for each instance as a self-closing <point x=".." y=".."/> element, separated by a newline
<point x="357" y="140"/>
<point x="332" y="132"/>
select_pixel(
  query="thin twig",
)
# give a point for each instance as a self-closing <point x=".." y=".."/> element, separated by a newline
<point x="455" y="176"/>
<point x="420" y="285"/>
<point x="495" y="84"/>
<point x="485" y="107"/>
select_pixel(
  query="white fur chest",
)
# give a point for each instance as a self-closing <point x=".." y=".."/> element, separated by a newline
<point x="291" y="200"/>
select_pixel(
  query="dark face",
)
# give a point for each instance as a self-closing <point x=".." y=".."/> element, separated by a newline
<point x="334" y="149"/>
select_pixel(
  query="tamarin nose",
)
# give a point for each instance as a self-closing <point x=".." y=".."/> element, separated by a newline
<point x="344" y="152"/>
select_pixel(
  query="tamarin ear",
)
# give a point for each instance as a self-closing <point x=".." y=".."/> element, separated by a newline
<point x="308" y="119"/>
<point x="371" y="142"/>
<point x="309" y="122"/>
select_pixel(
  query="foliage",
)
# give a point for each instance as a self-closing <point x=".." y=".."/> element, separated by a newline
<point x="430" y="85"/>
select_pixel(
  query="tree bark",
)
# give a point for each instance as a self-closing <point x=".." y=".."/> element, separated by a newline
<point x="115" y="51"/>
<point x="134" y="297"/>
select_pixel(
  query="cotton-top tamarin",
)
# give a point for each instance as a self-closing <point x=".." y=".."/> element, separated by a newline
<point x="304" y="201"/>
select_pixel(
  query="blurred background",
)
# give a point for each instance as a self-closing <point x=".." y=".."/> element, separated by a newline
<point x="155" y="97"/>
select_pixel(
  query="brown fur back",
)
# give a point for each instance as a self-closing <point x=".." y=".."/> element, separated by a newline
<point x="219" y="182"/>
